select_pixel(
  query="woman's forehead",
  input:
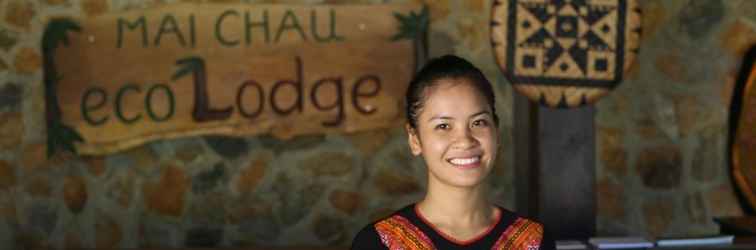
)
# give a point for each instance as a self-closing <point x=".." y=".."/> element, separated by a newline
<point x="454" y="99"/>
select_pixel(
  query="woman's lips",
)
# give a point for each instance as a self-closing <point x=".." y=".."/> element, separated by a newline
<point x="465" y="162"/>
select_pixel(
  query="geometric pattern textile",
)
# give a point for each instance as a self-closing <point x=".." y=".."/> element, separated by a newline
<point x="522" y="234"/>
<point x="565" y="53"/>
<point x="398" y="233"/>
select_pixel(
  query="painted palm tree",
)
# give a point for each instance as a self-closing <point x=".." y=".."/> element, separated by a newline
<point x="202" y="111"/>
<point x="59" y="135"/>
<point x="414" y="26"/>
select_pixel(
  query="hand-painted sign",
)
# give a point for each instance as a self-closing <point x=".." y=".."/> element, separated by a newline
<point x="122" y="79"/>
<point x="565" y="53"/>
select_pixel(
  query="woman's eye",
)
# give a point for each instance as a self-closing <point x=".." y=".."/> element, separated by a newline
<point x="478" y="123"/>
<point x="442" y="126"/>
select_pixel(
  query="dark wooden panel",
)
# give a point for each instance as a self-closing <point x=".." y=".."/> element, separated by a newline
<point x="554" y="154"/>
<point x="567" y="175"/>
<point x="525" y="155"/>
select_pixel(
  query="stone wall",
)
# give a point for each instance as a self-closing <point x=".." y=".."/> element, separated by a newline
<point x="206" y="191"/>
<point x="661" y="135"/>
<point x="661" y="165"/>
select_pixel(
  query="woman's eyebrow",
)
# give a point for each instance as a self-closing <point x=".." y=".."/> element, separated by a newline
<point x="484" y="112"/>
<point x="440" y="117"/>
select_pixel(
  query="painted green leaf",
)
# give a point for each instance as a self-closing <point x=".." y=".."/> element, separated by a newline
<point x="57" y="32"/>
<point x="413" y="25"/>
<point x="69" y="134"/>
<point x="59" y="135"/>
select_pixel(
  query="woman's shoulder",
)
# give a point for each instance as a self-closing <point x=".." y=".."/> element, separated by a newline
<point x="526" y="230"/>
<point x="369" y="238"/>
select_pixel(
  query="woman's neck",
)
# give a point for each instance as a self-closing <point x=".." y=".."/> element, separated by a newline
<point x="456" y="206"/>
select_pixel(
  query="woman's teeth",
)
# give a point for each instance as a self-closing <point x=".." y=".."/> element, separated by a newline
<point x="465" y="161"/>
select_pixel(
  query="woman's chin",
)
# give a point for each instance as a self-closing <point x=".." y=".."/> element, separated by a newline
<point x="469" y="180"/>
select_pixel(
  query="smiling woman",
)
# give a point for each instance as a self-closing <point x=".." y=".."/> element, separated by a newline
<point x="452" y="124"/>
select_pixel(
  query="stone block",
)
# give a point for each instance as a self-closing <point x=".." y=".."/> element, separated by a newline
<point x="696" y="208"/>
<point x="227" y="147"/>
<point x="329" y="229"/>
<point x="20" y="14"/>
<point x="209" y="208"/>
<point x="10" y="95"/>
<point x="669" y="63"/>
<point x="654" y="17"/>
<point x="611" y="197"/>
<point x="28" y="61"/>
<point x="208" y="180"/>
<point x="708" y="161"/>
<point x="698" y="18"/>
<point x="297" y="198"/>
<point x="56" y="2"/>
<point x="345" y="201"/>
<point x="296" y="143"/>
<point x="95" y="164"/>
<point x="660" y="167"/>
<point x="166" y="197"/>
<point x="42" y="217"/>
<point x="39" y="186"/>
<point x="658" y="215"/>
<point x="7" y="39"/>
<point x="75" y="193"/>
<point x="722" y="202"/>
<point x="612" y="150"/>
<point x="11" y="130"/>
<point x="7" y="175"/>
<point x="250" y="176"/>
<point x="328" y="164"/>
<point x="393" y="183"/>
<point x="368" y="142"/>
<point x="108" y="233"/>
<point x="120" y="188"/>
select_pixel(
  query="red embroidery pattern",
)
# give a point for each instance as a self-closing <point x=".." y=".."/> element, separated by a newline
<point x="397" y="233"/>
<point x="523" y="234"/>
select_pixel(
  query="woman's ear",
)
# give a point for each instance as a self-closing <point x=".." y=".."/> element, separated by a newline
<point x="413" y="140"/>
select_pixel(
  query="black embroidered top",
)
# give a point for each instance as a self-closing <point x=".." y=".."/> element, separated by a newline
<point x="407" y="229"/>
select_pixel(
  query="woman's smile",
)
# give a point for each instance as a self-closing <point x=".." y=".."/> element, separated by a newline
<point x="465" y="163"/>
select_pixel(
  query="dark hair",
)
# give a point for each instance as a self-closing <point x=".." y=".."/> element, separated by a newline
<point x="448" y="66"/>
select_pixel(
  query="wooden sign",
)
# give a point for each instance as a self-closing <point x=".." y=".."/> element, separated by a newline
<point x="565" y="53"/>
<point x="123" y="79"/>
<point x="743" y="144"/>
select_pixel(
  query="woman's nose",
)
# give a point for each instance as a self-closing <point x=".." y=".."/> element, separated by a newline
<point x="465" y="139"/>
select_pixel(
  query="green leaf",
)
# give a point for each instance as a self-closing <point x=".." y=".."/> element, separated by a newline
<point x="69" y="134"/>
<point x="57" y="32"/>
<point x="61" y="137"/>
<point x="413" y="25"/>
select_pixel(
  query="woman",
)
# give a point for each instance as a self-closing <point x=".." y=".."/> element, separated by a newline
<point x="452" y="124"/>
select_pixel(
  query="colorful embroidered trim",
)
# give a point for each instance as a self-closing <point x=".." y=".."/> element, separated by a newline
<point x="397" y="233"/>
<point x="522" y="234"/>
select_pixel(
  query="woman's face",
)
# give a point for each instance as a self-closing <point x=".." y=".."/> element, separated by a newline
<point x="455" y="134"/>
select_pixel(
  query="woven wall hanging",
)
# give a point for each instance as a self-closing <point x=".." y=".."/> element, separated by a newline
<point x="565" y="53"/>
